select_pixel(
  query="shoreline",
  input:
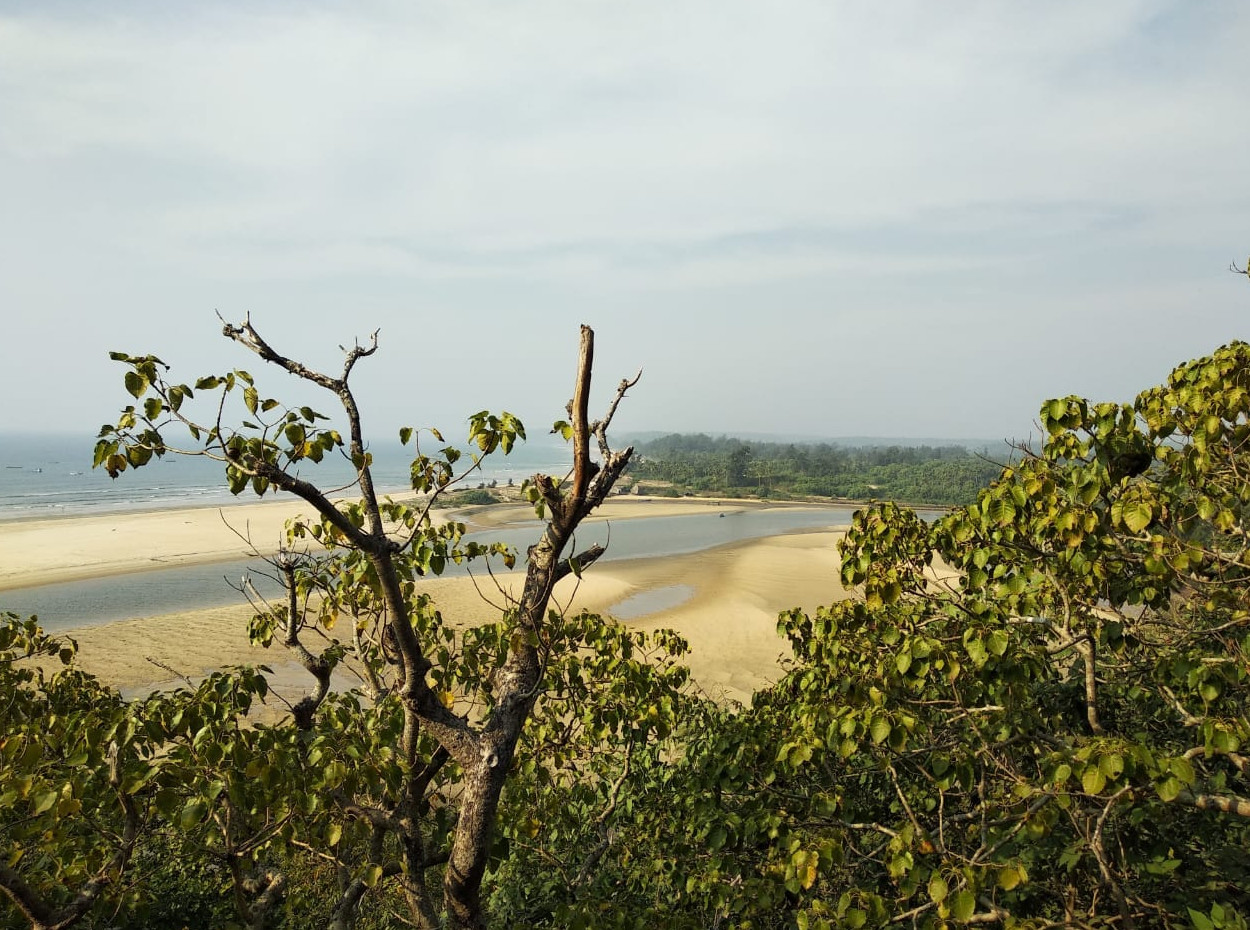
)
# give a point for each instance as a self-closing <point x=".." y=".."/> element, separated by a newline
<point x="728" y="613"/>
<point x="46" y="551"/>
<point x="51" y="550"/>
<point x="730" y="594"/>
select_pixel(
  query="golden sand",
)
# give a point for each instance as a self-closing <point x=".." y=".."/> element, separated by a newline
<point x="734" y="591"/>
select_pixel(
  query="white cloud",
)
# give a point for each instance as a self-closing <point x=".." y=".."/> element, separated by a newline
<point x="548" y="153"/>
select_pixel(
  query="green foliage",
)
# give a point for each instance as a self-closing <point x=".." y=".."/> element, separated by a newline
<point x="472" y="498"/>
<point x="1031" y="713"/>
<point x="919" y="474"/>
<point x="94" y="788"/>
<point x="76" y="765"/>
<point x="1035" y="712"/>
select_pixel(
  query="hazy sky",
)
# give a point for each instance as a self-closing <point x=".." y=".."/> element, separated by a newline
<point x="828" y="218"/>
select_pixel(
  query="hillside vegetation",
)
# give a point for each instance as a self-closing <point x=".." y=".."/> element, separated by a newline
<point x="1032" y="714"/>
<point x="729" y="466"/>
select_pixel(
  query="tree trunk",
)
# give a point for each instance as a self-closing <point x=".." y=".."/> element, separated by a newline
<point x="519" y="680"/>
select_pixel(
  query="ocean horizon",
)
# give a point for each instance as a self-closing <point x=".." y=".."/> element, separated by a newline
<point x="49" y="476"/>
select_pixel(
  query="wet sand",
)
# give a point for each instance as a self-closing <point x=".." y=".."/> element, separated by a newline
<point x="35" y="552"/>
<point x="724" y="601"/>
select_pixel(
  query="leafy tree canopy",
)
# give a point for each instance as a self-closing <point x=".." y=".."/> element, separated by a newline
<point x="919" y="474"/>
<point x="1033" y="713"/>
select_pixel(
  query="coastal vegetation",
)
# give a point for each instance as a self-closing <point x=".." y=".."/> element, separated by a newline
<point x="1033" y="712"/>
<point x="729" y="466"/>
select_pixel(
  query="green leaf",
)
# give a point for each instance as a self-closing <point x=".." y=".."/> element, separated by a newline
<point x="976" y="650"/>
<point x="1169" y="789"/>
<point x="44" y="801"/>
<point x="1200" y="920"/>
<point x="1001" y="511"/>
<point x="937" y="888"/>
<point x="1111" y="765"/>
<point x="405" y="434"/>
<point x="192" y="813"/>
<point x="996" y="642"/>
<point x="880" y="729"/>
<point x="166" y="800"/>
<point x="1009" y="877"/>
<point x="1135" y="514"/>
<point x="136" y="384"/>
<point x="1093" y="781"/>
<point x="1183" y="769"/>
<point x="1055" y="409"/>
<point x="963" y="904"/>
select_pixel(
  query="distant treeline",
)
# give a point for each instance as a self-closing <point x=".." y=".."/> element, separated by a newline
<point x="915" y="474"/>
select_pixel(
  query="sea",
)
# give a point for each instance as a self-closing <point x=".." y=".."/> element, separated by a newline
<point x="50" y="476"/>
<point x="46" y="477"/>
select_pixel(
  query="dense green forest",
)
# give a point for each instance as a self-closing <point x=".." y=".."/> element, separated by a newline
<point x="1030" y="713"/>
<point x="725" y="465"/>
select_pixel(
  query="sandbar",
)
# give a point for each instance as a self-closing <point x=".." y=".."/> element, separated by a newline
<point x="729" y="617"/>
<point x="727" y="606"/>
<point x="37" y="552"/>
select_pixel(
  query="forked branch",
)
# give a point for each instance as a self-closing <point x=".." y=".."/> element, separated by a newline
<point x="247" y="336"/>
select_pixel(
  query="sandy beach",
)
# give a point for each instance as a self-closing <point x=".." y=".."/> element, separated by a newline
<point x="35" y="552"/>
<point x="724" y="600"/>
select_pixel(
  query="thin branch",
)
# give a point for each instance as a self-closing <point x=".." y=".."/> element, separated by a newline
<point x="164" y="666"/>
<point x="1241" y="762"/>
<point x="41" y="914"/>
<point x="600" y="427"/>
<point x="605" y="834"/>
<point x="1098" y="847"/>
<point x="576" y="564"/>
<point x="1226" y="804"/>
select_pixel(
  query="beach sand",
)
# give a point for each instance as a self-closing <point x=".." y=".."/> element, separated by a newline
<point x="732" y="593"/>
<point x="35" y="552"/>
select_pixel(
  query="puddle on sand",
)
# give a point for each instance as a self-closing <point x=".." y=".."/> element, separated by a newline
<point x="653" y="601"/>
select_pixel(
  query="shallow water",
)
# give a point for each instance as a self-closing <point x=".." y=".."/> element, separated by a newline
<point x="649" y="602"/>
<point x="170" y="590"/>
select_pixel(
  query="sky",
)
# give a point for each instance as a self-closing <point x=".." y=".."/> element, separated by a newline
<point x="806" y="218"/>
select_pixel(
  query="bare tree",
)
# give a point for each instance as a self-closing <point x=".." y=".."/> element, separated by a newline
<point x="394" y="542"/>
